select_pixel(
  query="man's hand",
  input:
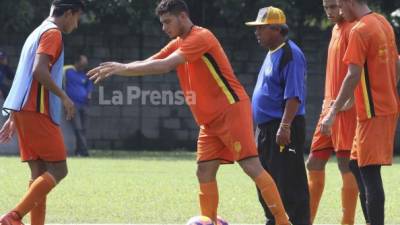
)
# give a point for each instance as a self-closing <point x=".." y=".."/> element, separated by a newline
<point x="69" y="107"/>
<point x="327" y="121"/>
<point x="7" y="131"/>
<point x="283" y="135"/>
<point x="105" y="70"/>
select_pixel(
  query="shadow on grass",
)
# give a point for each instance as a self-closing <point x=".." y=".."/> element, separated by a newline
<point x="142" y="155"/>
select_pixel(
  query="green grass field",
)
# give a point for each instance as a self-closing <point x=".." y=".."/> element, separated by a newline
<point x="154" y="187"/>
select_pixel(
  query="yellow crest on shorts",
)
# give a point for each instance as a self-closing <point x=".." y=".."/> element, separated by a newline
<point x="237" y="146"/>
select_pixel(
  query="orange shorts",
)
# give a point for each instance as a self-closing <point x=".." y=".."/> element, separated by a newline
<point x="373" y="143"/>
<point x="229" y="137"/>
<point x="343" y="131"/>
<point x="39" y="137"/>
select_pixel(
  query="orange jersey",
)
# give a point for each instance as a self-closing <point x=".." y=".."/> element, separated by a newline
<point x="207" y="73"/>
<point x="50" y="44"/>
<point x="336" y="70"/>
<point x="372" y="46"/>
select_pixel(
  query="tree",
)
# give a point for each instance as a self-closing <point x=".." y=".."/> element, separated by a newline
<point x="23" y="15"/>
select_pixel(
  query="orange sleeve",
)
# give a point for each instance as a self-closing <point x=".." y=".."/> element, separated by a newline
<point x="51" y="44"/>
<point x="356" y="51"/>
<point x="194" y="46"/>
<point x="167" y="50"/>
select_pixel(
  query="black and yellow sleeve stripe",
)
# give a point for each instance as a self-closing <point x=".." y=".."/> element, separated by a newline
<point x="220" y="79"/>
<point x="40" y="99"/>
<point x="367" y="92"/>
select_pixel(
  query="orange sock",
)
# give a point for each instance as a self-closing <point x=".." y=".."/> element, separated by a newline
<point x="316" y="183"/>
<point x="349" y="198"/>
<point x="38" y="212"/>
<point x="271" y="196"/>
<point x="37" y="192"/>
<point x="208" y="197"/>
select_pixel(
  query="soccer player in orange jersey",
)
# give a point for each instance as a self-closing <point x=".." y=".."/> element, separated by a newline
<point x="340" y="141"/>
<point x="34" y="104"/>
<point x="221" y="107"/>
<point x="372" y="76"/>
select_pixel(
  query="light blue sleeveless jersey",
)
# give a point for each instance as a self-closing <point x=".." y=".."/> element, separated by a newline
<point x="22" y="83"/>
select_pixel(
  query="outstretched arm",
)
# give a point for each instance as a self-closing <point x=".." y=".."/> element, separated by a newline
<point x="137" y="68"/>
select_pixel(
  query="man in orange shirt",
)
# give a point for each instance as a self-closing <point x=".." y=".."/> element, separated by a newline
<point x="343" y="129"/>
<point x="34" y="107"/>
<point x="221" y="106"/>
<point x="372" y="75"/>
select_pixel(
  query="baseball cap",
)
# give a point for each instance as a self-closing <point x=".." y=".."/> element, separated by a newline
<point x="268" y="15"/>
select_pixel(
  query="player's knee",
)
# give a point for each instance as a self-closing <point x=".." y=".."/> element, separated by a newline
<point x="62" y="174"/>
<point x="375" y="197"/>
<point x="344" y="167"/>
<point x="204" y="173"/>
<point x="314" y="163"/>
<point x="309" y="164"/>
<point x="354" y="167"/>
<point x="252" y="166"/>
<point x="59" y="173"/>
<point x="37" y="169"/>
<point x="35" y="173"/>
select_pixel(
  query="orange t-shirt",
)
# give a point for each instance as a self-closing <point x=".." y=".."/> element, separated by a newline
<point x="336" y="70"/>
<point x="372" y="46"/>
<point x="51" y="45"/>
<point x="206" y="74"/>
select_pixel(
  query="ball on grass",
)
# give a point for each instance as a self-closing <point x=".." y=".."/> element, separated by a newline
<point x="200" y="220"/>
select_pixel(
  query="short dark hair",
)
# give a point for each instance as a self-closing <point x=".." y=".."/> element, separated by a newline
<point x="61" y="6"/>
<point x="284" y="29"/>
<point x="171" y="6"/>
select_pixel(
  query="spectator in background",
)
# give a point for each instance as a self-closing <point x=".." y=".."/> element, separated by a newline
<point x="6" y="75"/>
<point x="78" y="87"/>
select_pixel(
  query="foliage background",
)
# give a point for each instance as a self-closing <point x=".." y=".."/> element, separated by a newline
<point x="22" y="15"/>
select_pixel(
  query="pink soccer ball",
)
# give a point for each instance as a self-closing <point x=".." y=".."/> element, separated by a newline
<point x="200" y="220"/>
<point x="221" y="221"/>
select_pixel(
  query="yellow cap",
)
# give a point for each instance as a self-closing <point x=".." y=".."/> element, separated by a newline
<point x="268" y="15"/>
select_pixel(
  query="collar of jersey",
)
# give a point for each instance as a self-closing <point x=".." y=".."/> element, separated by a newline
<point x="279" y="47"/>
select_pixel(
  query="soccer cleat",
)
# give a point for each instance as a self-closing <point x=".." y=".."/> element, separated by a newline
<point x="11" y="218"/>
